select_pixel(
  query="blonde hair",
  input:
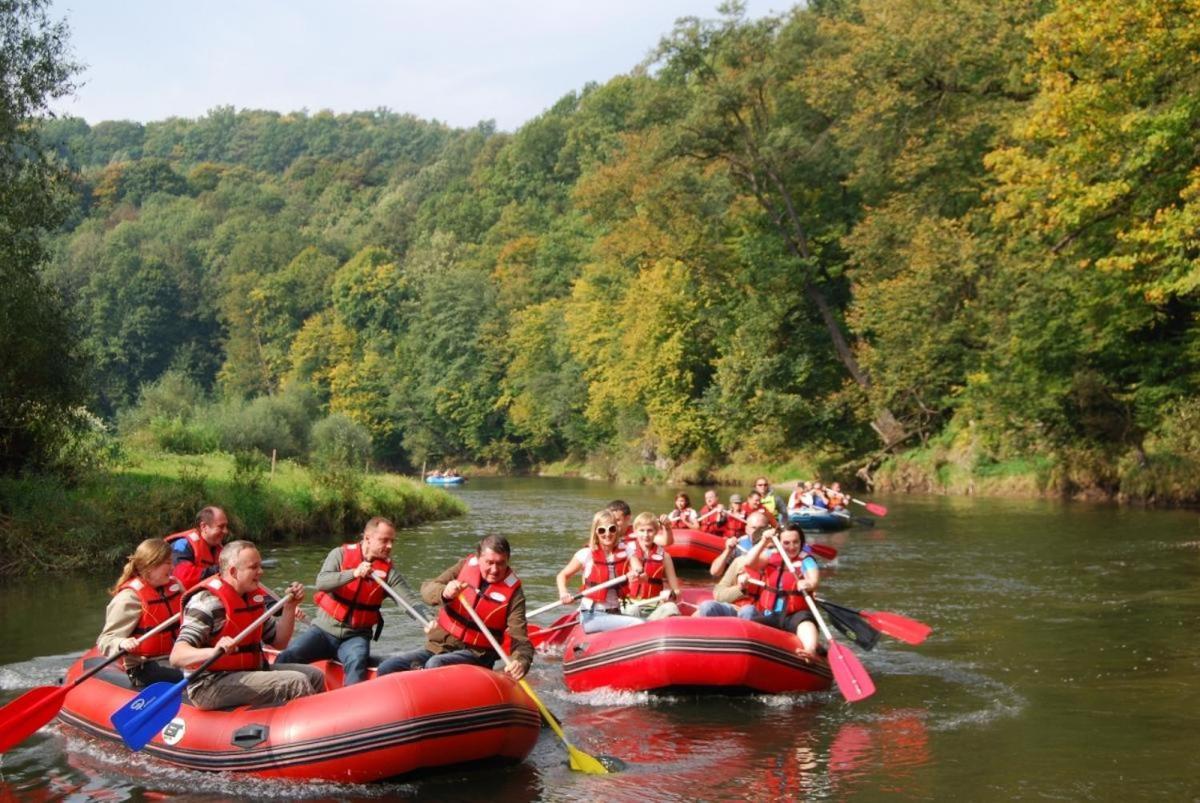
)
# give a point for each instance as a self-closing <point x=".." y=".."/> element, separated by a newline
<point x="601" y="517"/>
<point x="647" y="518"/>
<point x="148" y="554"/>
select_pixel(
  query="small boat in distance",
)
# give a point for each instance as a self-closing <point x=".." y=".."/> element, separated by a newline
<point x="445" y="478"/>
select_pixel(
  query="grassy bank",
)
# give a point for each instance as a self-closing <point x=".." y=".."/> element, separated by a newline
<point x="45" y="525"/>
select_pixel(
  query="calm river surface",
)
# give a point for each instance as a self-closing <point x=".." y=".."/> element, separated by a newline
<point x="1064" y="665"/>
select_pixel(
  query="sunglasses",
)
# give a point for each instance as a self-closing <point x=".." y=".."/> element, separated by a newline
<point x="760" y="485"/>
<point x="612" y="528"/>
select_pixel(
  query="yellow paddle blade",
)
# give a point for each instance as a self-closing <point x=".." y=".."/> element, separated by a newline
<point x="582" y="762"/>
<point x="579" y="760"/>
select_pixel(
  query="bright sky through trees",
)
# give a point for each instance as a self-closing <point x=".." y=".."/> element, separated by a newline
<point x="459" y="61"/>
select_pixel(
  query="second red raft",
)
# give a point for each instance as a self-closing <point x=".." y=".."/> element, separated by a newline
<point x="713" y="654"/>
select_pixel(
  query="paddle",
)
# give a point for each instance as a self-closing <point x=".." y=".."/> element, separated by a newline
<point x="878" y="510"/>
<point x="845" y="620"/>
<point x="895" y="625"/>
<point x="401" y="601"/>
<point x="145" y="715"/>
<point x="852" y="679"/>
<point x="579" y="760"/>
<point x="556" y="632"/>
<point x="33" y="709"/>
<point x="616" y="581"/>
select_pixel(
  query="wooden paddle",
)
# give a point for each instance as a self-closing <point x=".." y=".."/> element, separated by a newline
<point x="579" y="760"/>
<point x="852" y="679"/>
<point x="401" y="601"/>
<point x="33" y="709"/>
<point x="616" y="581"/>
<point x="139" y="720"/>
<point x="878" y="510"/>
<point x="910" y="631"/>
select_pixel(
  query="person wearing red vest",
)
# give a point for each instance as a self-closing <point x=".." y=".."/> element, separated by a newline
<point x="713" y="516"/>
<point x="683" y="517"/>
<point x="145" y="596"/>
<point x="735" y="520"/>
<point x="735" y="594"/>
<point x="658" y="573"/>
<point x="224" y="606"/>
<point x="487" y="581"/>
<point x="194" y="552"/>
<point x="781" y="603"/>
<point x="606" y="557"/>
<point x="348" y="603"/>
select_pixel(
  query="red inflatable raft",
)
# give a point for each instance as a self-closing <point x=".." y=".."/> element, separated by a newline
<point x="366" y="732"/>
<point x="695" y="547"/>
<point x="722" y="654"/>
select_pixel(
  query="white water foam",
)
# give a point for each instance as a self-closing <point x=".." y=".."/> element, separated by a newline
<point x="44" y="670"/>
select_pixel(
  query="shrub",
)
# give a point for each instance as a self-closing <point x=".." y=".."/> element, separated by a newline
<point x="338" y="441"/>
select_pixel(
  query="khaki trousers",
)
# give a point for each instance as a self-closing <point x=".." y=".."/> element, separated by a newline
<point x="278" y="684"/>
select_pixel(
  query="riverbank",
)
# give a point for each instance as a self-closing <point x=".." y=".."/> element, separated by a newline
<point x="1164" y="478"/>
<point x="47" y="526"/>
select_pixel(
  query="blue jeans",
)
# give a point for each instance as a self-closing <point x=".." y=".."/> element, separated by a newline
<point x="315" y="644"/>
<point x="711" y="607"/>
<point x="425" y="659"/>
<point x="596" y="621"/>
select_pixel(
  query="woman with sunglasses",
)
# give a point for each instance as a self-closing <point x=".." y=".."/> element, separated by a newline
<point x="605" y="558"/>
<point x="771" y="501"/>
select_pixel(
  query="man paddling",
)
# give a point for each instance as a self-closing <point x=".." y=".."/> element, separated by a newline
<point x="224" y="607"/>
<point x="348" y="603"/>
<point x="487" y="581"/>
<point x="194" y="552"/>
<point x="736" y="572"/>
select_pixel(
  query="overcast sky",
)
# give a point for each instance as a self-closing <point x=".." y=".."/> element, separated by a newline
<point x="458" y="61"/>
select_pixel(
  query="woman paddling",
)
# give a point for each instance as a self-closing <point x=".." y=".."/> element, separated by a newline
<point x="683" y="517"/>
<point x="781" y="603"/>
<point x="605" y="558"/>
<point x="145" y="595"/>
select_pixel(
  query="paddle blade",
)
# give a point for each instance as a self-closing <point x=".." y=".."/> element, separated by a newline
<point x="850" y="624"/>
<point x="852" y="679"/>
<point x="878" y="510"/>
<point x="822" y="551"/>
<point x="582" y="762"/>
<point x="24" y="715"/>
<point x="140" y="719"/>
<point x="556" y="633"/>
<point x="910" y="631"/>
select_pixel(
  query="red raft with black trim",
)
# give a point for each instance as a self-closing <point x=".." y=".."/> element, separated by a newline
<point x="695" y="547"/>
<point x="377" y="729"/>
<point x="695" y="654"/>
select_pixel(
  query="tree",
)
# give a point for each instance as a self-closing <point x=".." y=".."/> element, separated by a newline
<point x="41" y="371"/>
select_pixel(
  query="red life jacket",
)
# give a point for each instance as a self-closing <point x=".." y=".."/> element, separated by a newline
<point x="158" y="605"/>
<point x="205" y="554"/>
<point x="780" y="583"/>
<point x="655" y="567"/>
<point x="679" y="519"/>
<point x="492" y="606"/>
<point x="356" y="604"/>
<point x="713" y="524"/>
<point x="602" y="571"/>
<point x="240" y="611"/>
<point x="734" y="528"/>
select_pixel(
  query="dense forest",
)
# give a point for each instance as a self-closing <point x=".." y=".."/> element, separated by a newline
<point x="925" y="240"/>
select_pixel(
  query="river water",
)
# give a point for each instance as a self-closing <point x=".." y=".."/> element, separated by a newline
<point x="1064" y="665"/>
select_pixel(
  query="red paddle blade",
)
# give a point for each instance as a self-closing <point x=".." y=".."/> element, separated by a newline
<point x="24" y="715"/>
<point x="555" y="633"/>
<point x="822" y="551"/>
<point x="878" y="510"/>
<point x="900" y="627"/>
<point x="852" y="679"/>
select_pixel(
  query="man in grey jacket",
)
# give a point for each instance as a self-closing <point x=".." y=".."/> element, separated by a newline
<point x="348" y="603"/>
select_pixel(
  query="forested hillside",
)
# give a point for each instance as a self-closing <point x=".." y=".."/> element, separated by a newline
<point x="944" y="240"/>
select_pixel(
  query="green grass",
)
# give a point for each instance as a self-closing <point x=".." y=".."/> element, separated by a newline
<point x="47" y="526"/>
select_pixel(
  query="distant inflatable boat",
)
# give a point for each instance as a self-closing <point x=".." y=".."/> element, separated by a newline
<point x="695" y="547"/>
<point x="459" y="480"/>
<point x="820" y="519"/>
<point x="381" y="728"/>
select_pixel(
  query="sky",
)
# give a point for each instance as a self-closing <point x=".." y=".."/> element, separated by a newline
<point x="457" y="61"/>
